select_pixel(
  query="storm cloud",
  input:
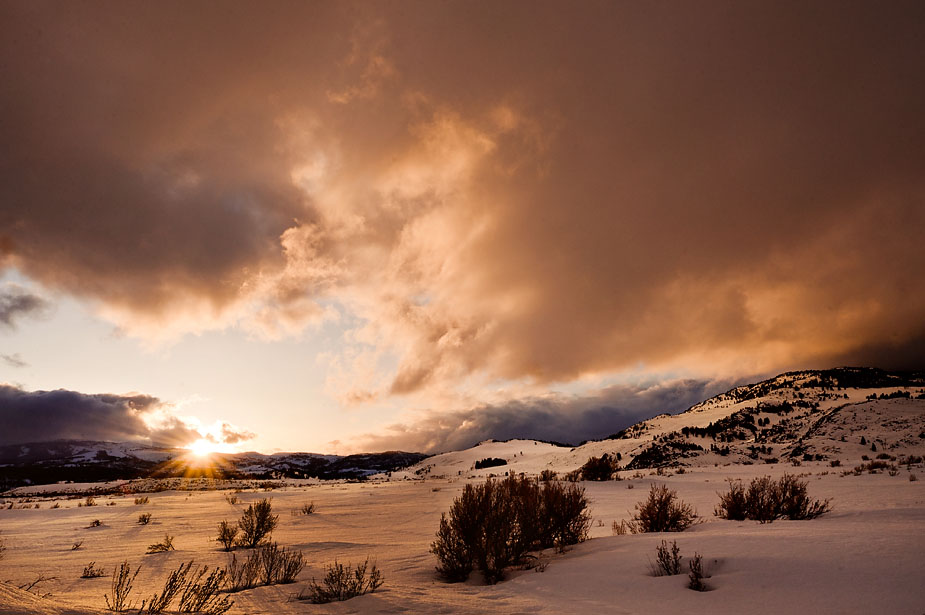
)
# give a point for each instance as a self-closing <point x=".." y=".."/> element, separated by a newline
<point x="517" y="191"/>
<point x="553" y="418"/>
<point x="41" y="416"/>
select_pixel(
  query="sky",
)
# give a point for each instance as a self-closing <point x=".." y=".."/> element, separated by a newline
<point x="354" y="226"/>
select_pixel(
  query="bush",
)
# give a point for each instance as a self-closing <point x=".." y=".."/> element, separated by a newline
<point x="279" y="565"/>
<point x="564" y="516"/>
<point x="200" y="595"/>
<point x="548" y="475"/>
<point x="91" y="571"/>
<point x="267" y="565"/>
<point x="158" y="603"/>
<point x="257" y="523"/>
<point x="160" y="547"/>
<point x="662" y="511"/>
<point x="343" y="582"/>
<point x="144" y="518"/>
<point x="95" y="523"/>
<point x="198" y="592"/>
<point x="766" y="500"/>
<point x="227" y="534"/>
<point x="696" y="574"/>
<point x="139" y="501"/>
<point x="599" y="468"/>
<point x="495" y="524"/>
<point x="244" y="575"/>
<point x="122" y="580"/>
<point x="307" y="509"/>
<point x="667" y="561"/>
<point x="90" y="501"/>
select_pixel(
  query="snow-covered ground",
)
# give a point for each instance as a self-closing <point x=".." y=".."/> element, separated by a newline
<point x="863" y="557"/>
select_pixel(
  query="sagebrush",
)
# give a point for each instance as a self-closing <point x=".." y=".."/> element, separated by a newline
<point x="342" y="582"/>
<point x="766" y="500"/>
<point x="493" y="525"/>
<point x="662" y="511"/>
<point x="257" y="523"/>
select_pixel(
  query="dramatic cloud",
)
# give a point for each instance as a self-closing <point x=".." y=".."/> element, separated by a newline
<point x="39" y="416"/>
<point x="17" y="302"/>
<point x="516" y="191"/>
<point x="564" y="419"/>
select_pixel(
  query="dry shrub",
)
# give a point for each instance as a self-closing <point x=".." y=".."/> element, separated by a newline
<point x="662" y="511"/>
<point x="495" y="524"/>
<point x="599" y="468"/>
<point x="95" y="523"/>
<point x="667" y="560"/>
<point x="158" y="603"/>
<point x="619" y="529"/>
<point x="243" y="575"/>
<point x="144" y="518"/>
<point x="766" y="500"/>
<point x="92" y="572"/>
<point x="160" y="547"/>
<point x="548" y="475"/>
<point x="257" y="523"/>
<point x="696" y="574"/>
<point x="142" y="500"/>
<point x="279" y="565"/>
<point x="307" y="509"/>
<point x="122" y="580"/>
<point x="90" y="501"/>
<point x="267" y="565"/>
<point x="342" y="583"/>
<point x="198" y="592"/>
<point x="200" y="595"/>
<point x="227" y="533"/>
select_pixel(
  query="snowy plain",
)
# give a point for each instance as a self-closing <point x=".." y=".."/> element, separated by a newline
<point x="863" y="557"/>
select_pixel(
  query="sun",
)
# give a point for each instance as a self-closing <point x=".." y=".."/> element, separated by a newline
<point x="203" y="447"/>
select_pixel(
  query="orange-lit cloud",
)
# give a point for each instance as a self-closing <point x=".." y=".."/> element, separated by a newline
<point x="501" y="192"/>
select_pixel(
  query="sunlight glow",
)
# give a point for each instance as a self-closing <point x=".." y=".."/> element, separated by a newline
<point x="204" y="447"/>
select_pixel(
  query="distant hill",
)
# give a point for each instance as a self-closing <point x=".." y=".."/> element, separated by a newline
<point x="91" y="461"/>
<point x="813" y="415"/>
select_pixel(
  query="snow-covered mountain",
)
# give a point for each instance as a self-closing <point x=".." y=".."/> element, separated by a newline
<point x="89" y="461"/>
<point x="832" y="415"/>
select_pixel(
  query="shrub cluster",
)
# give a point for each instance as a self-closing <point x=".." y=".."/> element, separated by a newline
<point x="765" y="500"/>
<point x="599" y="468"/>
<point x="256" y="524"/>
<point x="662" y="511"/>
<point x="267" y="565"/>
<point x="342" y="583"/>
<point x="494" y="525"/>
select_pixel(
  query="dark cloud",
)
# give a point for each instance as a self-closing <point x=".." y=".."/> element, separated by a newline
<point x="13" y="360"/>
<point x="561" y="419"/>
<point x="17" y="302"/>
<point x="519" y="190"/>
<point x="38" y="416"/>
<point x="34" y="416"/>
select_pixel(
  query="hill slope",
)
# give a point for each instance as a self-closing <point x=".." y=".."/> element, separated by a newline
<point x="838" y="414"/>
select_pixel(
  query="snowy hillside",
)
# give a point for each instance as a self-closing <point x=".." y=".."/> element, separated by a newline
<point x="833" y="415"/>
